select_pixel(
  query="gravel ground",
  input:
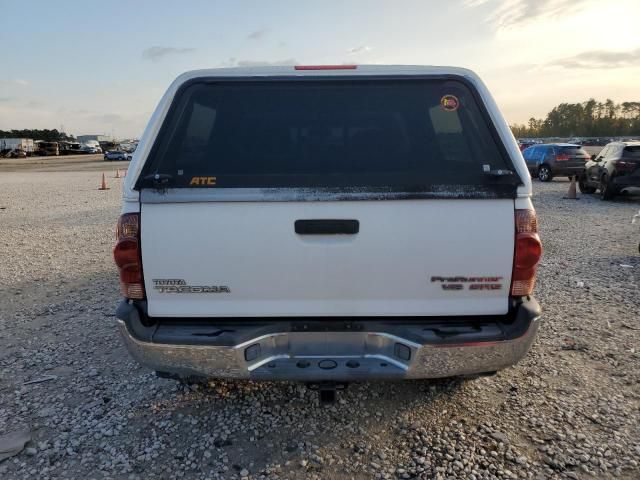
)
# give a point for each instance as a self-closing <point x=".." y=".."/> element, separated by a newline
<point x="66" y="163"/>
<point x="570" y="409"/>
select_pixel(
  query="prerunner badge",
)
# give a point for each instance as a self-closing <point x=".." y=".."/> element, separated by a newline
<point x="450" y="103"/>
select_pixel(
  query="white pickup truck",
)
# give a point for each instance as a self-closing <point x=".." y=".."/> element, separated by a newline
<point x="327" y="224"/>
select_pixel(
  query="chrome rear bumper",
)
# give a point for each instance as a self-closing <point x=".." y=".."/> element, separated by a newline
<point x="393" y="349"/>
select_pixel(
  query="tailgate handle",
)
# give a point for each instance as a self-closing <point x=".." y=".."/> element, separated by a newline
<point x="327" y="227"/>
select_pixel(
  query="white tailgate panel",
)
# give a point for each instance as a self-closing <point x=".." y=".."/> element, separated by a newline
<point x="385" y="269"/>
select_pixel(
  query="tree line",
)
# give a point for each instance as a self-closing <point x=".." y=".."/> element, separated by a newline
<point x="587" y="119"/>
<point x="44" y="135"/>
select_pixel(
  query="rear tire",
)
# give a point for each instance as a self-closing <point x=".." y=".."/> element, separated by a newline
<point x="582" y="185"/>
<point x="606" y="190"/>
<point x="544" y="173"/>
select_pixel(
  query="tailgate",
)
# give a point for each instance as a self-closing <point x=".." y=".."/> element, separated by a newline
<point x="572" y="156"/>
<point x="400" y="262"/>
<point x="414" y="163"/>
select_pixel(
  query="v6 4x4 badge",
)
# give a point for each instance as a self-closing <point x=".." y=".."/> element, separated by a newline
<point x="473" y="283"/>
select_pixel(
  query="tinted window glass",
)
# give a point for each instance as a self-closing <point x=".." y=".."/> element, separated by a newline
<point x="335" y="134"/>
<point x="527" y="153"/>
<point x="574" y="150"/>
<point x="631" y="151"/>
<point x="536" y="154"/>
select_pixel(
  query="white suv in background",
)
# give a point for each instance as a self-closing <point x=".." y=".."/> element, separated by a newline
<point x="327" y="224"/>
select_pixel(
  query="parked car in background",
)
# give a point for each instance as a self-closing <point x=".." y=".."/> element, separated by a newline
<point x="129" y="156"/>
<point x="615" y="168"/>
<point x="555" y="160"/>
<point x="594" y="142"/>
<point x="523" y="145"/>
<point x="70" y="148"/>
<point x="47" y="149"/>
<point x="26" y="145"/>
<point x="115" y="155"/>
<point x="13" y="153"/>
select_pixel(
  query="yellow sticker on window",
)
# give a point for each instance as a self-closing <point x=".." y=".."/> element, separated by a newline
<point x="203" y="181"/>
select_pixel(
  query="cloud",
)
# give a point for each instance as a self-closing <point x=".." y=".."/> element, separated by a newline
<point x="511" y="13"/>
<point x="108" y="118"/>
<point x="234" y="62"/>
<point x="14" y="81"/>
<point x="258" y="34"/>
<point x="360" y="49"/>
<point x="600" y="59"/>
<point x="156" y="53"/>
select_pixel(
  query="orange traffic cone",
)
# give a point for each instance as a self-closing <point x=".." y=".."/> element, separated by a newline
<point x="117" y="173"/>
<point x="571" y="194"/>
<point x="103" y="185"/>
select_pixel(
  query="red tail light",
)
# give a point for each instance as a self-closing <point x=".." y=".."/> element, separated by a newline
<point x="562" y="157"/>
<point x="127" y="256"/>
<point x="527" y="253"/>
<point x="623" y="166"/>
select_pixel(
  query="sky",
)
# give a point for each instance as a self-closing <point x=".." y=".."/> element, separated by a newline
<point x="101" y="67"/>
